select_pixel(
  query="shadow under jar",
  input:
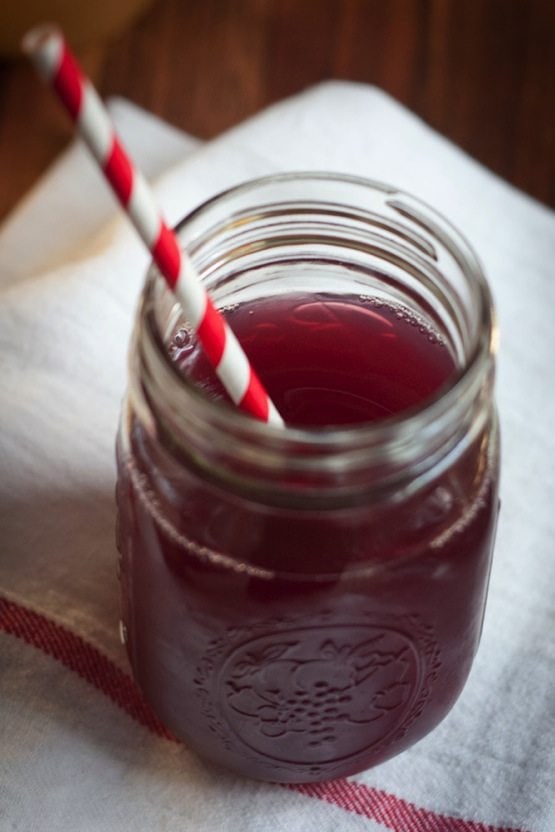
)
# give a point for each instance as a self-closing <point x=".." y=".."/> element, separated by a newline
<point x="302" y="604"/>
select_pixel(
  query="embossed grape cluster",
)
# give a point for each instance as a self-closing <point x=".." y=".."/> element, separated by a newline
<point x="318" y="710"/>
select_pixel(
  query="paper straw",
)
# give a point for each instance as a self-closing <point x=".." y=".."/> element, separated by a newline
<point x="47" y="48"/>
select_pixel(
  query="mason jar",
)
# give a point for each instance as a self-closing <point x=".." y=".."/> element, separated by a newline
<point x="302" y="603"/>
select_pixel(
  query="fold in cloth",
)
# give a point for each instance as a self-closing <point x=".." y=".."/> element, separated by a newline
<point x="80" y="749"/>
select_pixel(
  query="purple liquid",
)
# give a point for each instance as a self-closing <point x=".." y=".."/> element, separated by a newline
<point x="301" y="644"/>
<point x="330" y="361"/>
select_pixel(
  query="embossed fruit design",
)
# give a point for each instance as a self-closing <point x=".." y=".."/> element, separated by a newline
<point x="323" y="693"/>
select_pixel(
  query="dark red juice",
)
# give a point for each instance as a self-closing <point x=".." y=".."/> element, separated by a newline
<point x="299" y="640"/>
<point x="331" y="361"/>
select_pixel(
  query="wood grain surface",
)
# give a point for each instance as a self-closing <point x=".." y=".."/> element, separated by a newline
<point x="482" y="72"/>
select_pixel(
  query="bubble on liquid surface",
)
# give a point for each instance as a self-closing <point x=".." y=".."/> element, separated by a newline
<point x="182" y="342"/>
<point x="230" y="307"/>
<point x="403" y="313"/>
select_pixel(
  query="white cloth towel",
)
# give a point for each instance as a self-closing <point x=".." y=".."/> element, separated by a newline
<point x="76" y="749"/>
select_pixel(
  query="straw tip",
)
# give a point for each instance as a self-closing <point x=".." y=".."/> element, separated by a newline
<point x="37" y="38"/>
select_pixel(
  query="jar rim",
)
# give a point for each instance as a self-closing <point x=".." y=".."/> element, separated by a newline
<point x="411" y="419"/>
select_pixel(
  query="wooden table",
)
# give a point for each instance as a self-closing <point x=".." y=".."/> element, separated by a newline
<point x="482" y="72"/>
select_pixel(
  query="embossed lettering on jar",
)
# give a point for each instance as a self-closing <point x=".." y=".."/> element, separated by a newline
<point x="300" y="605"/>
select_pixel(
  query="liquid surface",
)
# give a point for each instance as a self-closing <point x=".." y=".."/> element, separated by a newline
<point x="330" y="361"/>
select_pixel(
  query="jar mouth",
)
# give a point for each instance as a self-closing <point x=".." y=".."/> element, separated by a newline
<point x="411" y="225"/>
<point x="485" y="342"/>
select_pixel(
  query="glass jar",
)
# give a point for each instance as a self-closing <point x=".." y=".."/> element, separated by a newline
<point x="301" y="604"/>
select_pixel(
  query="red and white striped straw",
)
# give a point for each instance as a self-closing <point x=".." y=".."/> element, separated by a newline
<point x="47" y="48"/>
